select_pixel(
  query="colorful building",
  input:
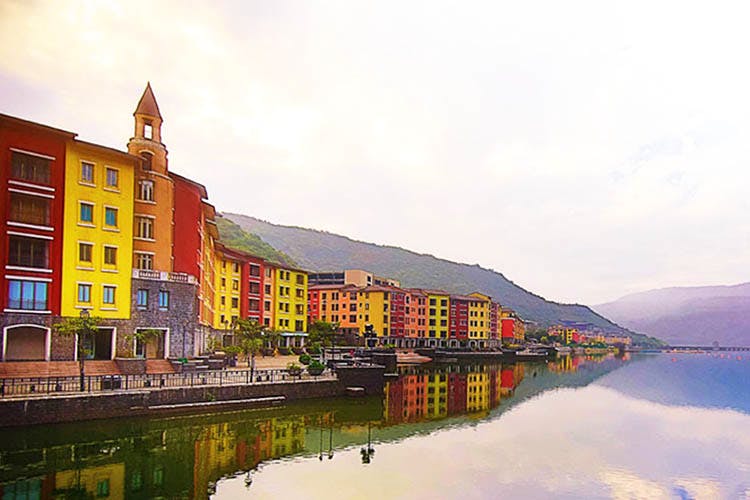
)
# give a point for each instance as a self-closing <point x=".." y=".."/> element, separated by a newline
<point x="286" y="295"/>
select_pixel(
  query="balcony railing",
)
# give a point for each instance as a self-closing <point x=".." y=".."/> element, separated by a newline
<point x="148" y="274"/>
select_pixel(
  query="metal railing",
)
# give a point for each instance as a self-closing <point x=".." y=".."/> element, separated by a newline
<point x="114" y="383"/>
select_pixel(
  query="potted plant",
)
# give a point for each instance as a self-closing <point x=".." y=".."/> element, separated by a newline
<point x="305" y="359"/>
<point x="315" y="367"/>
<point x="294" y="369"/>
<point x="232" y="352"/>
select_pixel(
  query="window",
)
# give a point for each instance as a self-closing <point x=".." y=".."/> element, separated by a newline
<point x="223" y="283"/>
<point x="87" y="172"/>
<point x="112" y="178"/>
<point x="84" y="293"/>
<point x="84" y="252"/>
<point x="235" y="267"/>
<point x="110" y="256"/>
<point x="108" y="295"/>
<point x="235" y="284"/>
<point x="141" y="298"/>
<point x="235" y="302"/>
<point x="254" y="270"/>
<point x="254" y="288"/>
<point x="28" y="252"/>
<point x="102" y="488"/>
<point x="29" y="209"/>
<point x="146" y="190"/>
<point x="148" y="131"/>
<point x="223" y="301"/>
<point x="299" y="325"/>
<point x="110" y="217"/>
<point x="145" y="227"/>
<point x="300" y="279"/>
<point x="254" y="305"/>
<point x="267" y="305"/>
<point x="144" y="261"/>
<point x="27" y="295"/>
<point x="267" y="289"/>
<point x="30" y="168"/>
<point x="163" y="299"/>
<point x="147" y="160"/>
<point x="86" y="213"/>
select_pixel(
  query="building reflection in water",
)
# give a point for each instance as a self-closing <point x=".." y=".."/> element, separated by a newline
<point x="185" y="457"/>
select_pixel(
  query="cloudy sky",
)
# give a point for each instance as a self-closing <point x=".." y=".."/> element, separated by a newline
<point x="585" y="149"/>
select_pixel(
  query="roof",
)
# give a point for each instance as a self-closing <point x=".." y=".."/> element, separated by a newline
<point x="347" y="286"/>
<point x="201" y="187"/>
<point x="112" y="151"/>
<point x="147" y="105"/>
<point x="27" y="123"/>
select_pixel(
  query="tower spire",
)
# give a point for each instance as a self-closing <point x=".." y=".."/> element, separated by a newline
<point x="147" y="105"/>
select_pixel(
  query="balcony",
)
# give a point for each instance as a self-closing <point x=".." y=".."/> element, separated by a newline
<point x="148" y="274"/>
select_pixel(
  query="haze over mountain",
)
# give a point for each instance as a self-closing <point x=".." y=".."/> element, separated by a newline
<point x="687" y="315"/>
<point x="321" y="251"/>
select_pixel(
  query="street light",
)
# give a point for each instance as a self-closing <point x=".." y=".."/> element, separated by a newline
<point x="81" y="351"/>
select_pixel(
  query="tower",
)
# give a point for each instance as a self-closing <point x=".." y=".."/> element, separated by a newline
<point x="154" y="190"/>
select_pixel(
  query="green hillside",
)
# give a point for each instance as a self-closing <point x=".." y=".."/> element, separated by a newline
<point x="233" y="236"/>
<point x="321" y="251"/>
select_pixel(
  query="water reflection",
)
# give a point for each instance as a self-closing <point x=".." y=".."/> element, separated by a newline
<point x="194" y="457"/>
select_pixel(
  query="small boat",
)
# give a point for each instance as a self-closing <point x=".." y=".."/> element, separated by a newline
<point x="563" y="350"/>
<point x="411" y="358"/>
<point x="530" y="354"/>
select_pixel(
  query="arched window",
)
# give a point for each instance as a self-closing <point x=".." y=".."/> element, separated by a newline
<point x="147" y="159"/>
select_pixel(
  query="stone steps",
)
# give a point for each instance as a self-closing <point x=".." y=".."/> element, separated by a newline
<point x="46" y="369"/>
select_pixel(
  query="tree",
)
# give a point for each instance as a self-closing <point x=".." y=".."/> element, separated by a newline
<point x="250" y="339"/>
<point x="83" y="326"/>
<point x="323" y="332"/>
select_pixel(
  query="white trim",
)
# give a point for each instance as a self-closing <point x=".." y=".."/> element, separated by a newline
<point x="86" y="224"/>
<point x="30" y="226"/>
<point x="106" y="186"/>
<point x="109" y="270"/>
<point x="32" y="193"/>
<point x="39" y="155"/>
<point x="145" y="215"/>
<point x="165" y="338"/>
<point x="85" y="268"/>
<point x="30" y="185"/>
<point x="26" y="311"/>
<point x="144" y="239"/>
<point x="31" y="235"/>
<point x="28" y="269"/>
<point x="47" y="338"/>
<point x="27" y="278"/>
<point x="144" y="251"/>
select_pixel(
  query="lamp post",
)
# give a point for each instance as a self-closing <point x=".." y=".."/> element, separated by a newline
<point x="81" y="351"/>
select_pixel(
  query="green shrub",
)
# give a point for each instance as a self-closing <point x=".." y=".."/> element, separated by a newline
<point x="305" y="359"/>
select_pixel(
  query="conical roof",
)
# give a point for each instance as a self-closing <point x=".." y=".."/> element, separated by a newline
<point x="147" y="105"/>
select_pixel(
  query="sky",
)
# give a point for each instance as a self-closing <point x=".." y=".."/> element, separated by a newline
<point x="586" y="150"/>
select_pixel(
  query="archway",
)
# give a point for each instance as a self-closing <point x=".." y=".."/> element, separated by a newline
<point x="26" y="343"/>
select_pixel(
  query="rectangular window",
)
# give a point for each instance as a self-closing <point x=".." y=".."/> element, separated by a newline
<point x="110" y="256"/>
<point x="299" y="325"/>
<point x="108" y="295"/>
<point x="144" y="261"/>
<point x="84" y="293"/>
<point x="28" y="252"/>
<point x="30" y="168"/>
<point x="27" y="295"/>
<point x="235" y="302"/>
<point x="145" y="227"/>
<point x="235" y="285"/>
<point x="146" y="190"/>
<point x="235" y="267"/>
<point x="84" y="252"/>
<point x="254" y="287"/>
<point x="141" y="298"/>
<point x="110" y="217"/>
<point x="86" y="213"/>
<point x="254" y="305"/>
<point x="87" y="172"/>
<point x="163" y="299"/>
<point x="102" y="488"/>
<point x="254" y="270"/>
<point x="113" y="178"/>
<point x="29" y="209"/>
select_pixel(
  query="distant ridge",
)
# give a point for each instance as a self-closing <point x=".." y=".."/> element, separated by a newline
<point x="696" y="315"/>
<point x="322" y="251"/>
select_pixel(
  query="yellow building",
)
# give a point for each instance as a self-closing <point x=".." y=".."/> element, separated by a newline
<point x="373" y="307"/>
<point x="98" y="231"/>
<point x="477" y="392"/>
<point x="437" y="396"/>
<point x="288" y="287"/>
<point x="438" y="314"/>
<point x="479" y="317"/>
<point x="227" y="287"/>
<point x="104" y="481"/>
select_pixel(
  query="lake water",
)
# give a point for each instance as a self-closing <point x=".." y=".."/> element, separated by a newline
<point x="651" y="426"/>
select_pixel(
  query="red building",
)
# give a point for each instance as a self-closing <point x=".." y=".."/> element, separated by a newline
<point x="459" y="317"/>
<point x="456" y="393"/>
<point x="507" y="329"/>
<point x="188" y="225"/>
<point x="398" y="312"/>
<point x="32" y="178"/>
<point x="254" y="280"/>
<point x="494" y="321"/>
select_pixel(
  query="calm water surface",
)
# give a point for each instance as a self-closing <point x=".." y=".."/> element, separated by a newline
<point x="651" y="426"/>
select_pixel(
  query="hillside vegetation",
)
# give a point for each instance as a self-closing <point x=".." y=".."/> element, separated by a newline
<point x="321" y="251"/>
<point x="233" y="236"/>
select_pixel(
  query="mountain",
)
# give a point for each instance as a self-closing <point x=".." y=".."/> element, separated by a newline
<point x="687" y="315"/>
<point x="322" y="251"/>
<point x="235" y="237"/>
